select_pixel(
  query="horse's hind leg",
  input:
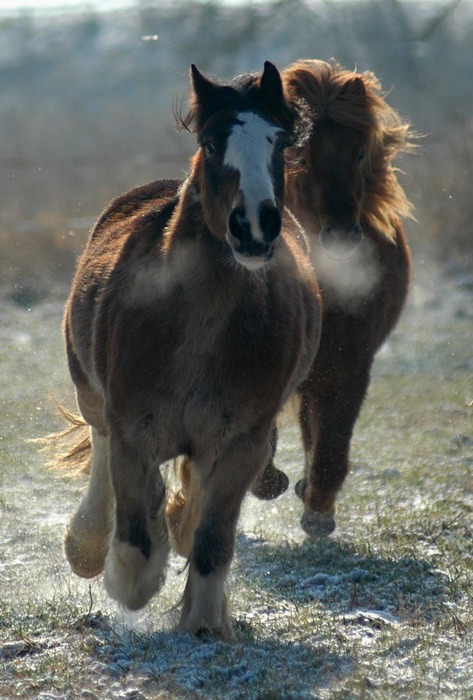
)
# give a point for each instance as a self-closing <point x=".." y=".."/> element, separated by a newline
<point x="184" y="507"/>
<point x="88" y="532"/>
<point x="270" y="481"/>
<point x="225" y="484"/>
<point x="137" y="558"/>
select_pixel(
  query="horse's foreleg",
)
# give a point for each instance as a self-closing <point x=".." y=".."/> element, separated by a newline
<point x="88" y="532"/>
<point x="332" y="398"/>
<point x="225" y="484"/>
<point x="328" y="416"/>
<point x="136" y="562"/>
<point x="330" y="403"/>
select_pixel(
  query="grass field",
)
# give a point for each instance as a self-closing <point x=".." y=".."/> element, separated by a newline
<point x="381" y="609"/>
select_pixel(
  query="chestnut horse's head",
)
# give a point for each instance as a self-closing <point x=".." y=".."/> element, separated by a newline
<point x="346" y="179"/>
<point x="242" y="129"/>
<point x="336" y="166"/>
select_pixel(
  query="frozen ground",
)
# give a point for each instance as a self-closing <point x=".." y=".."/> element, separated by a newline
<point x="382" y="609"/>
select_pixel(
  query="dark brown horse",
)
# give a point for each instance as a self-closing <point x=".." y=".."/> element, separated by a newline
<point x="193" y="316"/>
<point x="348" y="199"/>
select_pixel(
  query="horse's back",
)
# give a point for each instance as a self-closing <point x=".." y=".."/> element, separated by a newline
<point x="138" y="199"/>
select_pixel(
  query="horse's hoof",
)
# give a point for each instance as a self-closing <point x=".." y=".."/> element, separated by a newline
<point x="85" y="551"/>
<point x="299" y="488"/>
<point x="270" y="484"/>
<point x="222" y="633"/>
<point x="317" y="524"/>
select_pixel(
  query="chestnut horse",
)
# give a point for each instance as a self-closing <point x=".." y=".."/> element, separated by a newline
<point x="346" y="195"/>
<point x="193" y="316"/>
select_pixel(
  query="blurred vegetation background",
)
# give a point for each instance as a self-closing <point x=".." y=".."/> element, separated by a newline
<point x="86" y="109"/>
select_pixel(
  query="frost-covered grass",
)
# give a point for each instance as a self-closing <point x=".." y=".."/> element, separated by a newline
<point x="382" y="609"/>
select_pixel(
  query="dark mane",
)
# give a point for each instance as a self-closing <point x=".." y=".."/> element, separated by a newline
<point x="356" y="100"/>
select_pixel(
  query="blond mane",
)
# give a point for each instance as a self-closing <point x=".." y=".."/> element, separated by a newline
<point x="335" y="93"/>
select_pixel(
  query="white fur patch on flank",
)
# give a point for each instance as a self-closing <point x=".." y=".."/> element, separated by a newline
<point x="249" y="150"/>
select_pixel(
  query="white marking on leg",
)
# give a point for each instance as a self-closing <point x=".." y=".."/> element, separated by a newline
<point x="250" y="147"/>
<point x="131" y="578"/>
<point x="206" y="606"/>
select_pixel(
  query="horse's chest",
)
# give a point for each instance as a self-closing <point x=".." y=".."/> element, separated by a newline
<point x="200" y="371"/>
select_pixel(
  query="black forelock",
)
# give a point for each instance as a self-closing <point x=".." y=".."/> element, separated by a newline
<point x="248" y="86"/>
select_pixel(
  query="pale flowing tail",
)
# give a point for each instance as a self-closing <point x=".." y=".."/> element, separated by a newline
<point x="70" y="449"/>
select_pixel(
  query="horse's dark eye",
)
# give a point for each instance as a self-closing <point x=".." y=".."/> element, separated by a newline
<point x="361" y="157"/>
<point x="208" y="147"/>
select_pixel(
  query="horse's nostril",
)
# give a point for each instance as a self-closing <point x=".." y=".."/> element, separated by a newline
<point x="270" y="222"/>
<point x="238" y="224"/>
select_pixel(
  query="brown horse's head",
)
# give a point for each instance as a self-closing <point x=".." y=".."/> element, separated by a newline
<point x="242" y="129"/>
<point x="345" y="179"/>
<point x="336" y="167"/>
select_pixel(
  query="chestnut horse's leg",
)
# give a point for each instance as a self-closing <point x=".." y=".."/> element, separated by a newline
<point x="88" y="532"/>
<point x="330" y="404"/>
<point x="183" y="508"/>
<point x="225" y="484"/>
<point x="332" y="397"/>
<point x="136" y="562"/>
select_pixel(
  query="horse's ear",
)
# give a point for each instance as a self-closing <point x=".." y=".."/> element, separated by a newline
<point x="204" y="89"/>
<point x="354" y="87"/>
<point x="271" y="84"/>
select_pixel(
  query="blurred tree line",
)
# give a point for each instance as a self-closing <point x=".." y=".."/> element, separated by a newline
<point x="86" y="106"/>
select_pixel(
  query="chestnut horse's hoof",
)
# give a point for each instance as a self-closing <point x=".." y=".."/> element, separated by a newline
<point x="317" y="524"/>
<point x="299" y="488"/>
<point x="206" y="632"/>
<point x="270" y="483"/>
<point x="223" y="633"/>
<point x="314" y="523"/>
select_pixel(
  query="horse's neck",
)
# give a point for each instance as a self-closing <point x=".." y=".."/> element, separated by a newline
<point x="187" y="223"/>
<point x="200" y="260"/>
<point x="199" y="226"/>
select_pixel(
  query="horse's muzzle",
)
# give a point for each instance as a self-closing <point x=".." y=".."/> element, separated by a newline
<point x="340" y="242"/>
<point x="252" y="255"/>
<point x="252" y="241"/>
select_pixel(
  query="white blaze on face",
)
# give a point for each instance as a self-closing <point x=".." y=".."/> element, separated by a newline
<point x="250" y="147"/>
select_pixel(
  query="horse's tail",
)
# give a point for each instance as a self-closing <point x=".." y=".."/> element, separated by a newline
<point x="183" y="507"/>
<point x="70" y="449"/>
